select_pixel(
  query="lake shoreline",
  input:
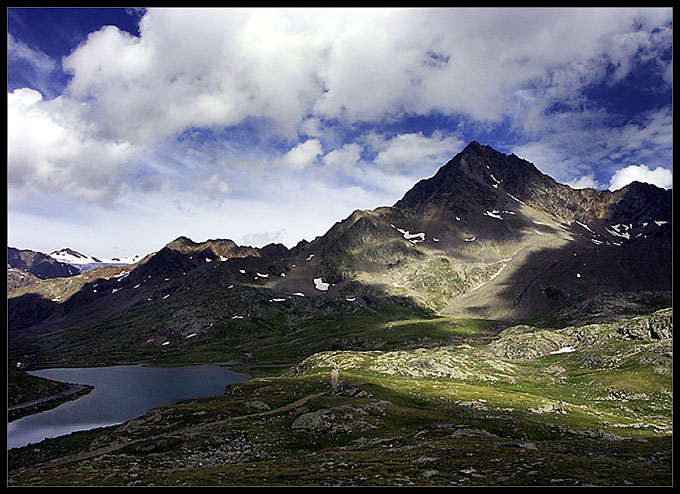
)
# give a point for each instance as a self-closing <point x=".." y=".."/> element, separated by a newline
<point x="25" y="409"/>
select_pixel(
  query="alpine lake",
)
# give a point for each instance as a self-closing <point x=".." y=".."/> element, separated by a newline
<point x="119" y="394"/>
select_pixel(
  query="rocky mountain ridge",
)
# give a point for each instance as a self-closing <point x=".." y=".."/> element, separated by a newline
<point x="488" y="236"/>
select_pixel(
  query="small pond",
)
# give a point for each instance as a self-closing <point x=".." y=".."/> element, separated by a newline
<point x="120" y="393"/>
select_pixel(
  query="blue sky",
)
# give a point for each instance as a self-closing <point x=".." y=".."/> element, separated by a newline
<point x="130" y="127"/>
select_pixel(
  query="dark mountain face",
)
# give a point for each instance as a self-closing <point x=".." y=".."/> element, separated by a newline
<point x="639" y="202"/>
<point x="480" y="175"/>
<point x="38" y="264"/>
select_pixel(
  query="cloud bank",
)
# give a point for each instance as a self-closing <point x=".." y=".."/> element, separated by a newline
<point x="170" y="109"/>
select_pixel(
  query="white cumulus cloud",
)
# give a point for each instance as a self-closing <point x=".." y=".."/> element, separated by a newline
<point x="661" y="177"/>
<point x="415" y="150"/>
<point x="52" y="149"/>
<point x="303" y="155"/>
<point x="584" y="182"/>
<point x="344" y="158"/>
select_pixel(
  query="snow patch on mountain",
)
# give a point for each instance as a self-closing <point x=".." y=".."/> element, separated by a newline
<point x="87" y="263"/>
<point x="411" y="237"/>
<point x="320" y="285"/>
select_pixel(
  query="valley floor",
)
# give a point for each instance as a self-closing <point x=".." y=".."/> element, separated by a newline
<point x="572" y="406"/>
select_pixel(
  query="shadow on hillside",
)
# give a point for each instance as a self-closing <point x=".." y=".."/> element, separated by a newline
<point x="556" y="278"/>
<point x="546" y="281"/>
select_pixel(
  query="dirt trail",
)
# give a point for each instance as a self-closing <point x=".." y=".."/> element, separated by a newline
<point x="189" y="430"/>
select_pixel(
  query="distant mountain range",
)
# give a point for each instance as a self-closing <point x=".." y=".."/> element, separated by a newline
<point x="25" y="266"/>
<point x="488" y="236"/>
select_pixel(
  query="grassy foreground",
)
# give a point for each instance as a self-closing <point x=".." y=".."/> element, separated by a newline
<point x="458" y="414"/>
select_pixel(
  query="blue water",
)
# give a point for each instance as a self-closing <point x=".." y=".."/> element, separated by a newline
<point x="120" y="393"/>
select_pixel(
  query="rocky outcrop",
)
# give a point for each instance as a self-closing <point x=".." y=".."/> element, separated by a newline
<point x="547" y="408"/>
<point x="659" y="326"/>
<point x="258" y="405"/>
<point x="341" y="419"/>
<point x="526" y="342"/>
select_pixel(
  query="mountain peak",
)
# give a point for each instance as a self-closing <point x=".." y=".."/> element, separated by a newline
<point x="641" y="202"/>
<point x="68" y="251"/>
<point x="480" y="177"/>
<point x="185" y="244"/>
<point x="473" y="146"/>
<point x="181" y="242"/>
<point x="71" y="256"/>
<point x="471" y="177"/>
<point x="224" y="248"/>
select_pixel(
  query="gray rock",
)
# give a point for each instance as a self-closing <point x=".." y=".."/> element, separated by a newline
<point x="467" y="432"/>
<point x="547" y="408"/>
<point x="258" y="405"/>
<point x="347" y="390"/>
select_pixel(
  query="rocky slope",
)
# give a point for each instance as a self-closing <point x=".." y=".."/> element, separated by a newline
<point x="17" y="278"/>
